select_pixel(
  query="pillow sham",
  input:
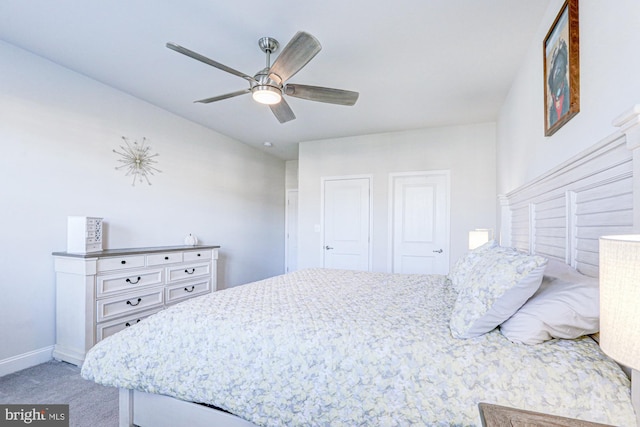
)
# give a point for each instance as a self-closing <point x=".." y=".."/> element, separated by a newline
<point x="559" y="269"/>
<point x="501" y="282"/>
<point x="567" y="305"/>
<point x="465" y="265"/>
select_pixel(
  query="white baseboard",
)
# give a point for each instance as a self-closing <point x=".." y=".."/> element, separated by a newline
<point x="25" y="360"/>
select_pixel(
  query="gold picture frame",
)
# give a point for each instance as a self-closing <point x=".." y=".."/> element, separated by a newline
<point x="561" y="53"/>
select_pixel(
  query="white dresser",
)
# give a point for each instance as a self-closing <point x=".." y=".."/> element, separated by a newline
<point x="101" y="293"/>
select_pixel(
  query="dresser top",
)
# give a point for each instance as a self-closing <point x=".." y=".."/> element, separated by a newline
<point x="134" y="251"/>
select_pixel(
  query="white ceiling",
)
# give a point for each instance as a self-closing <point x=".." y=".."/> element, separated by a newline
<point x="415" y="63"/>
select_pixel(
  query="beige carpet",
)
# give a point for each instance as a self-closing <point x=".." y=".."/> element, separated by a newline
<point x="90" y="404"/>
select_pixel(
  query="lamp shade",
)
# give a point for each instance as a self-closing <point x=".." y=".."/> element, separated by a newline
<point x="620" y="298"/>
<point x="479" y="237"/>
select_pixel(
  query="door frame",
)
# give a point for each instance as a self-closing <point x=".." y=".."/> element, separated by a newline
<point x="323" y="180"/>
<point x="287" y="240"/>
<point x="390" y="218"/>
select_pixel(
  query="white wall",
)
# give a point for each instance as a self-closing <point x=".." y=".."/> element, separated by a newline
<point x="609" y="86"/>
<point x="291" y="175"/>
<point x="57" y="133"/>
<point x="467" y="151"/>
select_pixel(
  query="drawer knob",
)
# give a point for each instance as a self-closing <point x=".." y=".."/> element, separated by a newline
<point x="123" y="262"/>
<point x="129" y="324"/>
<point x="190" y="290"/>
<point x="132" y="304"/>
<point x="193" y="270"/>
<point x="133" y="283"/>
<point x="166" y="258"/>
<point x="198" y="254"/>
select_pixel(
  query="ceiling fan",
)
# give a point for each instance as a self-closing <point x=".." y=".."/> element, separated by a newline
<point x="269" y="85"/>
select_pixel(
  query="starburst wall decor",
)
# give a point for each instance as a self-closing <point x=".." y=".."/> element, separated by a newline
<point x="137" y="161"/>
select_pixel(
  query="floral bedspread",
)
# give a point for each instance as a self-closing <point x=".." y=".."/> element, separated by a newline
<point x="346" y="348"/>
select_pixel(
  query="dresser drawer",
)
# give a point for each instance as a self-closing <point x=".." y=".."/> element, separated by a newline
<point x="191" y="256"/>
<point x="119" y="263"/>
<point x="131" y="280"/>
<point x="188" y="271"/>
<point x="165" y="258"/>
<point x="107" y="329"/>
<point x="98" y="294"/>
<point x="133" y="302"/>
<point x="186" y="290"/>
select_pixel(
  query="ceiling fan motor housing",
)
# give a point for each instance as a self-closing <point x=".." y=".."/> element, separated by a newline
<point x="266" y="91"/>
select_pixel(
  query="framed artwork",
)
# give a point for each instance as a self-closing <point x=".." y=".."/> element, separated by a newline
<point x="562" y="69"/>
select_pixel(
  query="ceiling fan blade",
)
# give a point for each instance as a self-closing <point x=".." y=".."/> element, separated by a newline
<point x="295" y="55"/>
<point x="225" y="96"/>
<point x="208" y="61"/>
<point x="282" y="111"/>
<point x="322" y="94"/>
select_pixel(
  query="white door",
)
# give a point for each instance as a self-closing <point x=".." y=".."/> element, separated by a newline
<point x="420" y="222"/>
<point x="291" y="238"/>
<point x="346" y="223"/>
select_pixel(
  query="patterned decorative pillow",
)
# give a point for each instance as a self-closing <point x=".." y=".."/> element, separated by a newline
<point x="500" y="283"/>
<point x="464" y="267"/>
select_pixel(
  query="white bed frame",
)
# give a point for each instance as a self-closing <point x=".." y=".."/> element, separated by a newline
<point x="560" y="215"/>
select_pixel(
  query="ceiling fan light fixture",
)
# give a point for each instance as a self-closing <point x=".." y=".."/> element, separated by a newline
<point x="269" y="85"/>
<point x="266" y="94"/>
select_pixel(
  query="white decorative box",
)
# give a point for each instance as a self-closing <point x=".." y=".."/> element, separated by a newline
<point x="84" y="234"/>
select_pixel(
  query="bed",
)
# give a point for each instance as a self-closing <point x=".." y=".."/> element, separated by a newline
<point x="348" y="348"/>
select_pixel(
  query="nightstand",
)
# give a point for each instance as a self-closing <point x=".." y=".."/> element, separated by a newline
<point x="501" y="416"/>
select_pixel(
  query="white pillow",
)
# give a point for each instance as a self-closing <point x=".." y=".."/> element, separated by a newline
<point x="465" y="265"/>
<point x="559" y="269"/>
<point x="502" y="281"/>
<point x="567" y="305"/>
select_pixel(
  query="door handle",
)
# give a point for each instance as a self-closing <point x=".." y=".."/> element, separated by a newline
<point x="328" y="248"/>
<point x="439" y="251"/>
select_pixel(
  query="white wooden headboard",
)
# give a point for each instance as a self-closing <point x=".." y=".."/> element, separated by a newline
<point x="562" y="213"/>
